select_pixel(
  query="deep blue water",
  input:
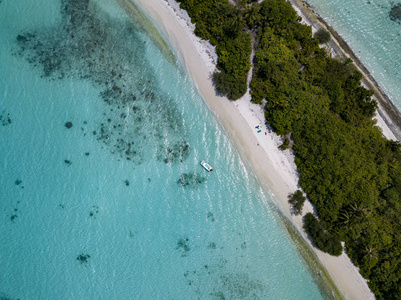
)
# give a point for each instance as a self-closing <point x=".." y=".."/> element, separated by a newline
<point x="102" y="194"/>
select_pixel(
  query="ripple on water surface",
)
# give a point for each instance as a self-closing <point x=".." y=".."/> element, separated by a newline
<point x="104" y="194"/>
<point x="91" y="46"/>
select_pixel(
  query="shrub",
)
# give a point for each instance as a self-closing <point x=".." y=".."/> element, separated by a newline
<point x="323" y="36"/>
<point x="285" y="145"/>
<point x="297" y="199"/>
<point x="227" y="84"/>
<point x="223" y="25"/>
<point x="320" y="237"/>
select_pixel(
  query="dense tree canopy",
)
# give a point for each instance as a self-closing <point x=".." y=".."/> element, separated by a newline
<point x="223" y="25"/>
<point x="348" y="170"/>
<point x="320" y="236"/>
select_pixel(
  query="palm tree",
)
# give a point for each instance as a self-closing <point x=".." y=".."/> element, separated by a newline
<point x="251" y="15"/>
<point x="235" y="23"/>
<point x="369" y="252"/>
<point x="345" y="218"/>
<point x="355" y="208"/>
<point x="360" y="210"/>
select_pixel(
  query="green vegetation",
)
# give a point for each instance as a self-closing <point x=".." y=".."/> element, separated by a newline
<point x="285" y="145"/>
<point x="320" y="236"/>
<point x="297" y="200"/>
<point x="349" y="171"/>
<point x="222" y="24"/>
<point x="323" y="36"/>
<point x="324" y="281"/>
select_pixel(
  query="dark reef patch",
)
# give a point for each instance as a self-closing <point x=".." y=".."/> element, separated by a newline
<point x="94" y="211"/>
<point x="109" y="53"/>
<point x="68" y="125"/>
<point x="395" y="13"/>
<point x="83" y="258"/>
<point x="240" y="286"/>
<point x="210" y="216"/>
<point x="67" y="162"/>
<point x="191" y="179"/>
<point x="177" y="152"/>
<point x="18" y="182"/>
<point x="126" y="182"/>
<point x="212" y="246"/>
<point x="5" y="118"/>
<point x="226" y="284"/>
<point x="183" y="246"/>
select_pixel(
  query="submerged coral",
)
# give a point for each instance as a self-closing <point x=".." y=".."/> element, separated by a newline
<point x="83" y="258"/>
<point x="138" y="120"/>
<point x="191" y="179"/>
<point x="5" y="118"/>
<point x="395" y="13"/>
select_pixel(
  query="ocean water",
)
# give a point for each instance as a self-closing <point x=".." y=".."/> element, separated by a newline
<point x="376" y="39"/>
<point x="102" y="194"/>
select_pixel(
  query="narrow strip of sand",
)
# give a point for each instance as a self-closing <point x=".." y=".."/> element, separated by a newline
<point x="388" y="116"/>
<point x="272" y="167"/>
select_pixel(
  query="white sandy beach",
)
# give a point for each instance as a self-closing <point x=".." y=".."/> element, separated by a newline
<point x="274" y="168"/>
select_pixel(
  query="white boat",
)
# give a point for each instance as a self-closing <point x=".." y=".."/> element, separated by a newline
<point x="206" y="166"/>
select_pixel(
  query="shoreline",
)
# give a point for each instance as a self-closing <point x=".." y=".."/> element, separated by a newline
<point x="387" y="111"/>
<point x="275" y="170"/>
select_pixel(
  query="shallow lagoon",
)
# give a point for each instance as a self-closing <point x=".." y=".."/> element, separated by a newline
<point x="102" y="192"/>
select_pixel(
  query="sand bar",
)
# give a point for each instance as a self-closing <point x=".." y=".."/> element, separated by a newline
<point x="273" y="168"/>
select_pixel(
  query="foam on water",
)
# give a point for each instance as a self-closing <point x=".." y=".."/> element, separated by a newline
<point x="367" y="27"/>
<point x="102" y="194"/>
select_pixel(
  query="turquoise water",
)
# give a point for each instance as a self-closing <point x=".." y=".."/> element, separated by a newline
<point x="102" y="194"/>
<point x="376" y="39"/>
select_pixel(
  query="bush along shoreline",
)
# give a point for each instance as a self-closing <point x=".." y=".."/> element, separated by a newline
<point x="348" y="170"/>
<point x="222" y="24"/>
